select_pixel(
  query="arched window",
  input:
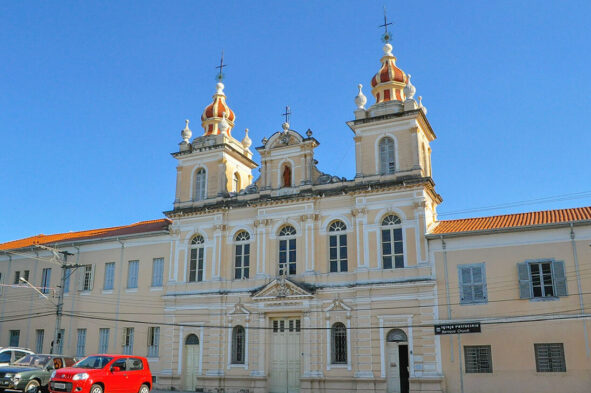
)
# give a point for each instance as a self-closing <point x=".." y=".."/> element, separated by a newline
<point x="286" y="176"/>
<point x="392" y="245"/>
<point x="337" y="247"/>
<point x="200" y="178"/>
<point x="242" y="258"/>
<point x="238" y="345"/>
<point x="287" y="250"/>
<point x="192" y="339"/>
<point x="236" y="182"/>
<point x="196" y="259"/>
<point x="387" y="163"/>
<point x="339" y="343"/>
<point x="396" y="336"/>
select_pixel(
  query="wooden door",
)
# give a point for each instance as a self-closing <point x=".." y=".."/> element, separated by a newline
<point x="284" y="376"/>
<point x="393" y="367"/>
<point x="191" y="362"/>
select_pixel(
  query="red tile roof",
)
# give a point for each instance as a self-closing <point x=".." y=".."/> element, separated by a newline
<point x="136" y="228"/>
<point x="507" y="221"/>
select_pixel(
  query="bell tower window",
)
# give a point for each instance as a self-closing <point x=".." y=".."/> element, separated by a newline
<point x="286" y="176"/>
<point x="200" y="185"/>
<point x="387" y="162"/>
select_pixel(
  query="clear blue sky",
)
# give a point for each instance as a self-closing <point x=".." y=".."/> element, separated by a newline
<point x="94" y="95"/>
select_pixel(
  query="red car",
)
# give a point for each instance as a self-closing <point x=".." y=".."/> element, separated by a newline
<point x="104" y="374"/>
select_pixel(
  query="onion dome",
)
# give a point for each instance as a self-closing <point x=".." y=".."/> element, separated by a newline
<point x="217" y="112"/>
<point x="388" y="84"/>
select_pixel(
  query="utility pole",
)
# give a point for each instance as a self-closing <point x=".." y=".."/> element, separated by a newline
<point x="60" y="300"/>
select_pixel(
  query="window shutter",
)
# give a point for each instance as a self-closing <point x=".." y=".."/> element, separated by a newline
<point x="464" y="280"/>
<point x="91" y="282"/>
<point x="81" y="274"/>
<point x="524" y="283"/>
<point x="559" y="278"/>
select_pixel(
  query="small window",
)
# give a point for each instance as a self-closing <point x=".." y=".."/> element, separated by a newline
<point x="550" y="358"/>
<point x="478" y="359"/>
<point x="337" y="247"/>
<point x="15" y="336"/>
<point x="472" y="282"/>
<point x="153" y="341"/>
<point x="59" y="348"/>
<point x="238" y="345"/>
<point x="339" y="343"/>
<point x="287" y="250"/>
<point x="195" y="272"/>
<point x="392" y="243"/>
<point x="387" y="162"/>
<point x="541" y="279"/>
<point x="242" y="255"/>
<point x="200" y="184"/>
<point x="109" y="276"/>
<point x="192" y="339"/>
<point x="157" y="272"/>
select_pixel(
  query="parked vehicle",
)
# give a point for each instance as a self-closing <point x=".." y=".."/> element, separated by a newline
<point x="12" y="354"/>
<point x="32" y="372"/>
<point x="104" y="374"/>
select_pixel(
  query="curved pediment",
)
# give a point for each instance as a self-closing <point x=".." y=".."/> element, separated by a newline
<point x="283" y="138"/>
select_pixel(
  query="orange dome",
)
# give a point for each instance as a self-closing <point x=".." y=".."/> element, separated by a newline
<point x="388" y="84"/>
<point x="214" y="114"/>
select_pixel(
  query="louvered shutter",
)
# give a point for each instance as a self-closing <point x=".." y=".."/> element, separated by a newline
<point x="559" y="278"/>
<point x="91" y="281"/>
<point x="81" y="274"/>
<point x="524" y="282"/>
<point x="465" y="280"/>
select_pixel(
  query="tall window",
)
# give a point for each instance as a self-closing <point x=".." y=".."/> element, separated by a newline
<point x="238" y="345"/>
<point x="87" y="278"/>
<point x="15" y="336"/>
<point x="387" y="162"/>
<point x="287" y="250"/>
<point x="236" y="182"/>
<point x="541" y="279"/>
<point x="242" y="259"/>
<point x="132" y="273"/>
<point x="200" y="184"/>
<point x="337" y="247"/>
<point x="196" y="259"/>
<point x="26" y="275"/>
<point x="157" y="272"/>
<point x="472" y="281"/>
<point x="81" y="343"/>
<point x="550" y="357"/>
<point x="478" y="359"/>
<point x="17" y="277"/>
<point x="392" y="245"/>
<point x="339" y="343"/>
<point x="127" y="341"/>
<point x="153" y="341"/>
<point x="109" y="276"/>
<point x="39" y="335"/>
<point x="103" y="340"/>
<point x="45" y="280"/>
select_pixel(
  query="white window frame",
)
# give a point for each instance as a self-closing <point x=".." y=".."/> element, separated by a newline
<point x="557" y="275"/>
<point x="337" y="230"/>
<point x="242" y="244"/>
<point x="127" y="342"/>
<point x="392" y="230"/>
<point x="200" y="184"/>
<point x="133" y="269"/>
<point x="86" y="278"/>
<point x="46" y="280"/>
<point x="109" y="280"/>
<point x="287" y="235"/>
<point x="472" y="286"/>
<point x="387" y="159"/>
<point x="157" y="272"/>
<point x="196" y="243"/>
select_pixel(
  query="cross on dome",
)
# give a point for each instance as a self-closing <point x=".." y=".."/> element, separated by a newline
<point x="217" y="117"/>
<point x="220" y="76"/>
<point x="386" y="37"/>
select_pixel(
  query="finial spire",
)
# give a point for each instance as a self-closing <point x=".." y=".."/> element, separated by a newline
<point x="220" y="76"/>
<point x="386" y="37"/>
<point x="286" y="114"/>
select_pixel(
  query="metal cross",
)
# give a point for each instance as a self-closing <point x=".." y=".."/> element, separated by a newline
<point x="386" y="37"/>
<point x="286" y="114"/>
<point x="220" y="76"/>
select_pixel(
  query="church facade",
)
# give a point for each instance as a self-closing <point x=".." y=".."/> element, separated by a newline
<point x="301" y="281"/>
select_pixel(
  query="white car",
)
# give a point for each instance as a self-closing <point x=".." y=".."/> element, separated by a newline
<point x="12" y="354"/>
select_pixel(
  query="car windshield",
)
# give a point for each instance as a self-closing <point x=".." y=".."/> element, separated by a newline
<point x="93" y="362"/>
<point x="33" y="360"/>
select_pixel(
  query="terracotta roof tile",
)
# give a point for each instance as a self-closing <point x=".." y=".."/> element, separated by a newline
<point x="512" y="220"/>
<point x="136" y="228"/>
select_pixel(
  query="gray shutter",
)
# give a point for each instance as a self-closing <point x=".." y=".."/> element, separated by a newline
<point x="91" y="282"/>
<point x="81" y="274"/>
<point x="524" y="283"/>
<point x="559" y="278"/>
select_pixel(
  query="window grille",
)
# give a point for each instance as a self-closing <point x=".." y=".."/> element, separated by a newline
<point x="550" y="357"/>
<point x="238" y="345"/>
<point x="478" y="359"/>
<point x="339" y="343"/>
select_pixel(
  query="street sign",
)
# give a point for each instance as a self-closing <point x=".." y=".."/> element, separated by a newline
<point x="456" y="328"/>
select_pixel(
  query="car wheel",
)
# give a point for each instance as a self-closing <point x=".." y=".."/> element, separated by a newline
<point x="144" y="389"/>
<point x="96" y="388"/>
<point x="32" y="386"/>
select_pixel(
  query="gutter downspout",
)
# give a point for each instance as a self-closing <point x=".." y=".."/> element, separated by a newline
<point x="581" y="304"/>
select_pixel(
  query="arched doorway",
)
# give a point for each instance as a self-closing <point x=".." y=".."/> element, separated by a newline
<point x="397" y="361"/>
<point x="191" y="362"/>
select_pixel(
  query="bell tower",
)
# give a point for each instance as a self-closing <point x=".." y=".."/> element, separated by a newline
<point x="214" y="165"/>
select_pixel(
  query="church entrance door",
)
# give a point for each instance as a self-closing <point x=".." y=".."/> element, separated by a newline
<point x="191" y="362"/>
<point x="285" y="356"/>
<point x="397" y="362"/>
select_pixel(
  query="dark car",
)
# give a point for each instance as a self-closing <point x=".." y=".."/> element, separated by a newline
<point x="104" y="374"/>
<point x="32" y="372"/>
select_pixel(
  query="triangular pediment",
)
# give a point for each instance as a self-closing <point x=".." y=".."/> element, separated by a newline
<point x="282" y="289"/>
